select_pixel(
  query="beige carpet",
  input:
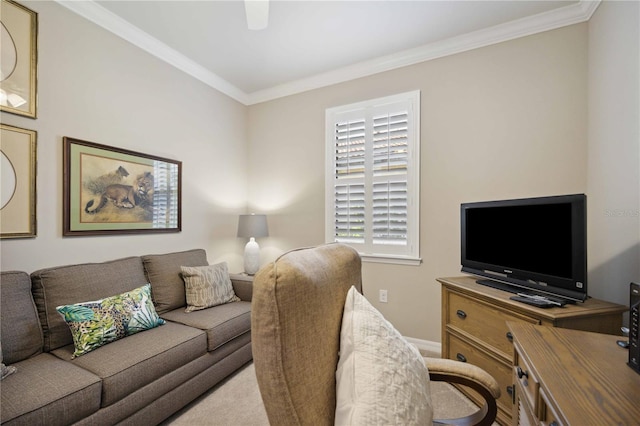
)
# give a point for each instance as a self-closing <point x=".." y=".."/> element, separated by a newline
<point x="236" y="402"/>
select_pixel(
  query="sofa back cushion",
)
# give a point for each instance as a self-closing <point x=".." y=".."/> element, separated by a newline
<point x="65" y="285"/>
<point x="20" y="328"/>
<point x="164" y="273"/>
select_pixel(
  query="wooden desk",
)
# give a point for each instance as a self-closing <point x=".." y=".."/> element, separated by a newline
<point x="571" y="377"/>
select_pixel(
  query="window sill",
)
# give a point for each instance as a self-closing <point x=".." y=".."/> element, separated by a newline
<point x="396" y="260"/>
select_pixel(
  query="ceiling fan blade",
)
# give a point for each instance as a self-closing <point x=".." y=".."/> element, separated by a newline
<point x="257" y="14"/>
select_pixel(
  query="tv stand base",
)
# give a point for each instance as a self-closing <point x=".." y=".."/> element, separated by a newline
<point x="522" y="292"/>
<point x="499" y="286"/>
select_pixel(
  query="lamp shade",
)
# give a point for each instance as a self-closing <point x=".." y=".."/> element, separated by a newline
<point x="253" y="225"/>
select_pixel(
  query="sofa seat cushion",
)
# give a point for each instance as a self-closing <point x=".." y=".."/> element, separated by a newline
<point x="222" y="323"/>
<point x="131" y="363"/>
<point x="19" y="324"/>
<point x="164" y="274"/>
<point x="48" y="390"/>
<point x="65" y="285"/>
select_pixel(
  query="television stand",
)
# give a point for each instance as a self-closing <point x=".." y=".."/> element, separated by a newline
<point x="474" y="328"/>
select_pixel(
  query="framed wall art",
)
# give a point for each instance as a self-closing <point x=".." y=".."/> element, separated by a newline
<point x="18" y="59"/>
<point x="18" y="182"/>
<point x="108" y="191"/>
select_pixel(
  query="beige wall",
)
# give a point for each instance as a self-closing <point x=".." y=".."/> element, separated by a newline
<point x="614" y="150"/>
<point x="503" y="121"/>
<point x="97" y="87"/>
<point x="510" y="120"/>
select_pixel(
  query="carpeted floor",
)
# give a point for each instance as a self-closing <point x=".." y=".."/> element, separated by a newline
<point x="236" y="402"/>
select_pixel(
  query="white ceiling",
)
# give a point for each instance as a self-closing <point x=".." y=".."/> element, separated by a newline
<point x="310" y="44"/>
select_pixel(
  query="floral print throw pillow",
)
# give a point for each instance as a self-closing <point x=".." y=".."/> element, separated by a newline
<point x="94" y="324"/>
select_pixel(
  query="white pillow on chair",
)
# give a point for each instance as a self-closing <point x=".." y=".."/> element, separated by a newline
<point x="381" y="378"/>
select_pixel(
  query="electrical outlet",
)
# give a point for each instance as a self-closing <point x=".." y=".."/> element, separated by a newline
<point x="383" y="296"/>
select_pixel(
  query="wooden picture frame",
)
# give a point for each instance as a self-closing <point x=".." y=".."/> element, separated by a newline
<point x="19" y="59"/>
<point x="18" y="180"/>
<point x="109" y="191"/>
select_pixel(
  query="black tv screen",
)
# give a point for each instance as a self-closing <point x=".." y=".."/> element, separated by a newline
<point x="533" y="243"/>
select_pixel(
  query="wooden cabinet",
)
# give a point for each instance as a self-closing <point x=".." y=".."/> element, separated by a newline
<point x="569" y="377"/>
<point x="474" y="329"/>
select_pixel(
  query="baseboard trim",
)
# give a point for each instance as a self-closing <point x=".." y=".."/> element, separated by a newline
<point x="426" y="345"/>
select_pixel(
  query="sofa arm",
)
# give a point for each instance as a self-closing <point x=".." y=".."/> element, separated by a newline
<point x="472" y="376"/>
<point x="242" y="286"/>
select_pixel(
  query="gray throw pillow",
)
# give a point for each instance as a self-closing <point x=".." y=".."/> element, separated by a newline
<point x="207" y="286"/>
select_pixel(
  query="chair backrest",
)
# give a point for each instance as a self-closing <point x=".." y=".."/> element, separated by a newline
<point x="296" y="317"/>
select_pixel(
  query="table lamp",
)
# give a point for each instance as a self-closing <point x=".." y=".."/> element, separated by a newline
<point x="252" y="226"/>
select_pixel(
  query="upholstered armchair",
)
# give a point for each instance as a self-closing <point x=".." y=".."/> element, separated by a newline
<point x="297" y="317"/>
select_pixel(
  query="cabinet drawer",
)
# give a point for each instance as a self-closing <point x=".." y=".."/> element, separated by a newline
<point x="485" y="322"/>
<point x="525" y="415"/>
<point x="527" y="382"/>
<point x="548" y="417"/>
<point x="465" y="352"/>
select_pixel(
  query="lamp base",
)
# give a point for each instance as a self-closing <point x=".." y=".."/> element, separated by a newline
<point x="251" y="257"/>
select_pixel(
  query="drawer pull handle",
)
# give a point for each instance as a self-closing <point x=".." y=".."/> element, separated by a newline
<point x="521" y="373"/>
<point x="511" y="393"/>
<point x="554" y="423"/>
<point x="461" y="357"/>
<point x="461" y="314"/>
<point x="509" y="336"/>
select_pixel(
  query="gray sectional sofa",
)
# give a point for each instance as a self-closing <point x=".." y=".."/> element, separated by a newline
<point x="140" y="379"/>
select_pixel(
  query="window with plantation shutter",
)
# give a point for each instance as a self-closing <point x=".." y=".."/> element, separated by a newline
<point x="372" y="178"/>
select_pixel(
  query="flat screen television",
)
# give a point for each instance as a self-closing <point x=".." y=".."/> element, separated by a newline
<point x="536" y="245"/>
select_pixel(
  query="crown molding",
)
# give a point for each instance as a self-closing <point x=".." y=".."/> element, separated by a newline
<point x="561" y="17"/>
<point x="108" y="20"/>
